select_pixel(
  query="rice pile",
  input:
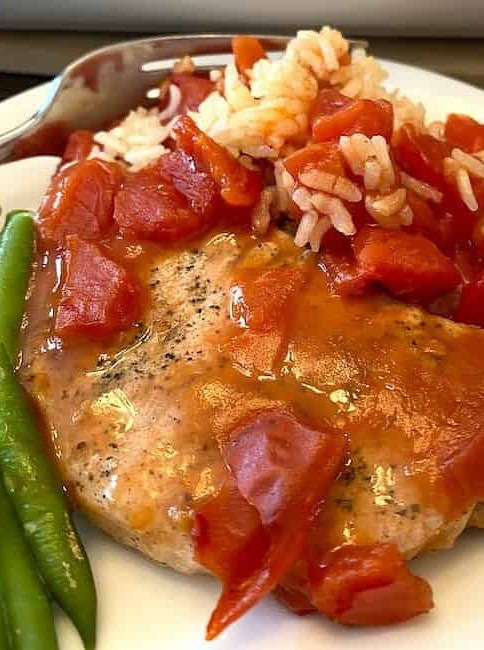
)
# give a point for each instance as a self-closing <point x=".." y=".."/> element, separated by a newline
<point x="265" y="116"/>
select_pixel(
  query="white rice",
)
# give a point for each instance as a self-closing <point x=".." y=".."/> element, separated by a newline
<point x="421" y="188"/>
<point x="264" y="115"/>
<point x="261" y="214"/>
<point x="337" y="185"/>
<point x="465" y="189"/>
<point x="302" y="198"/>
<point x="370" y="158"/>
<point x="139" y="138"/>
<point x="305" y="228"/>
<point x="391" y="210"/>
<point x="473" y="165"/>
<point x="390" y="204"/>
<point x="174" y="100"/>
<point x="461" y="166"/>
<point x="317" y="233"/>
<point x="334" y="208"/>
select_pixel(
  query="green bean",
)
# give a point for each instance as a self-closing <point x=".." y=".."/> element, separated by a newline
<point x="39" y="502"/>
<point x="16" y="249"/>
<point x="26" y="604"/>
<point x="4" y="637"/>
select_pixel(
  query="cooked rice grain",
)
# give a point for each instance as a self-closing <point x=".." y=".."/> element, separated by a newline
<point x="305" y="227"/>
<point x="261" y="214"/>
<point x="424" y="190"/>
<point x="334" y="208"/>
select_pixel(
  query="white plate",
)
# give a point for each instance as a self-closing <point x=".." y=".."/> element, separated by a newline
<point x="145" y="607"/>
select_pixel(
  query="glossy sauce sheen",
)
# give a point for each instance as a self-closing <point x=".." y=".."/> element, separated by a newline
<point x="134" y="427"/>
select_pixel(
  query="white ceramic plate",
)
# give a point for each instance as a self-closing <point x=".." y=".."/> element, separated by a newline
<point x="146" y="607"/>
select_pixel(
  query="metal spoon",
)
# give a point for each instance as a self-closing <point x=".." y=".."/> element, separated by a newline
<point x="106" y="83"/>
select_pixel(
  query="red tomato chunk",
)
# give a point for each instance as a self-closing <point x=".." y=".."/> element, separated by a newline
<point x="79" y="201"/>
<point x="410" y="266"/>
<point x="247" y="51"/>
<point x="471" y="306"/>
<point x="332" y="117"/>
<point x="194" y="89"/>
<point x="267" y="297"/>
<point x="196" y="184"/>
<point x="421" y="155"/>
<point x="343" y="273"/>
<point x="148" y="206"/>
<point x="238" y="185"/>
<point x="99" y="297"/>
<point x="253" y="531"/>
<point x="368" y="585"/>
<point x="464" y="132"/>
<point x="78" y="146"/>
<point x="325" y="157"/>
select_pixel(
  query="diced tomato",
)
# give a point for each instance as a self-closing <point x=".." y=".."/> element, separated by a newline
<point x="464" y="132"/>
<point x="343" y="273"/>
<point x="471" y="306"/>
<point x="445" y="229"/>
<point x="421" y="155"/>
<point x="148" y="206"/>
<point x="336" y="117"/>
<point x="263" y="300"/>
<point x="48" y="140"/>
<point x="78" y="147"/>
<point x="196" y="184"/>
<point x="79" y="201"/>
<point x="238" y="185"/>
<point x="409" y="265"/>
<point x="425" y="221"/>
<point x="323" y="157"/>
<point x="253" y="531"/>
<point x="328" y="101"/>
<point x="247" y="51"/>
<point x="337" y="260"/>
<point x="368" y="585"/>
<point x="98" y="297"/>
<point x="262" y="303"/>
<point x="194" y="89"/>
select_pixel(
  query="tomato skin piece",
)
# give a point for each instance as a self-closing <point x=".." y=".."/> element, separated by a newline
<point x="421" y="155"/>
<point x="79" y="201"/>
<point x="408" y="265"/>
<point x="98" y="298"/>
<point x="265" y="299"/>
<point x="465" y="133"/>
<point x="252" y="532"/>
<point x="368" y="585"/>
<point x="196" y="184"/>
<point x="247" y="51"/>
<point x="78" y="147"/>
<point x="194" y="89"/>
<point x="325" y="156"/>
<point x="327" y="102"/>
<point x="261" y="303"/>
<point x="471" y="305"/>
<point x="343" y="273"/>
<point x="425" y="221"/>
<point x="149" y="207"/>
<point x="238" y="185"/>
<point x="367" y="116"/>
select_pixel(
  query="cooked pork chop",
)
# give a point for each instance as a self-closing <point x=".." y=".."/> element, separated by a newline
<point x="134" y="427"/>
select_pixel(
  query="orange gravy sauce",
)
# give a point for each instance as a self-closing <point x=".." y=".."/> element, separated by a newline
<point x="405" y="388"/>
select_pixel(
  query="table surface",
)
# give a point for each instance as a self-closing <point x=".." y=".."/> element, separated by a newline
<point x="30" y="57"/>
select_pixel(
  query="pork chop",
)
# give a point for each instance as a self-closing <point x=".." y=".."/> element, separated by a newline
<point x="134" y="425"/>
